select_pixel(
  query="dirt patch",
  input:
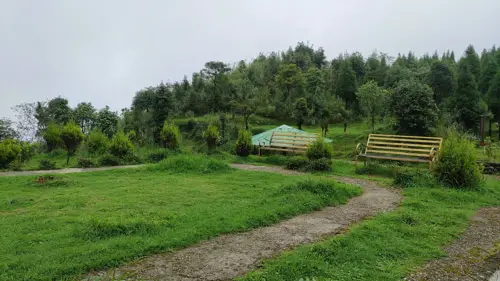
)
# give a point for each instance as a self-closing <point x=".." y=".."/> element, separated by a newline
<point x="229" y="256"/>
<point x="474" y="256"/>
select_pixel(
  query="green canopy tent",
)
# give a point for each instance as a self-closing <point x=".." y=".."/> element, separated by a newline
<point x="264" y="138"/>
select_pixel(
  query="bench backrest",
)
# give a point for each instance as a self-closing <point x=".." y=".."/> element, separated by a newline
<point x="292" y="141"/>
<point x="408" y="146"/>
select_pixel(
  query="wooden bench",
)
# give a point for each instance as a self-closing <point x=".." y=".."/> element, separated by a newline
<point x="400" y="148"/>
<point x="289" y="142"/>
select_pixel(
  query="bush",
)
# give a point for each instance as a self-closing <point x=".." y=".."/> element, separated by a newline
<point x="319" y="149"/>
<point x="190" y="164"/>
<point x="52" y="137"/>
<point x="27" y="151"/>
<point x="130" y="159"/>
<point x="85" y="163"/>
<point x="319" y="165"/>
<point x="157" y="156"/>
<point x="244" y="143"/>
<point x="120" y="146"/>
<point x="211" y="136"/>
<point x="15" y="166"/>
<point x="109" y="160"/>
<point x="46" y="164"/>
<point x="457" y="164"/>
<point x="72" y="137"/>
<point x="132" y="136"/>
<point x="297" y="163"/>
<point x="9" y="151"/>
<point x="170" y="136"/>
<point x="97" y="142"/>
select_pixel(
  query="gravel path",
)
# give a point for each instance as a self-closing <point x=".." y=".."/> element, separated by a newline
<point x="232" y="255"/>
<point x="64" y="171"/>
<point x="474" y="256"/>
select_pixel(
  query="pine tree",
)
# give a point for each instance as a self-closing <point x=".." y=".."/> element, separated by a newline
<point x="488" y="72"/>
<point x="346" y="84"/>
<point x="472" y="60"/>
<point x="442" y="81"/>
<point x="494" y="99"/>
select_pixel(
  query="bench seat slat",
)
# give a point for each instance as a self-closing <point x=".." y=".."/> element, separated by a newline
<point x="405" y="140"/>
<point x="409" y="137"/>
<point x="371" y="151"/>
<point x="283" y="149"/>
<point x="399" y="148"/>
<point x="402" y="144"/>
<point x="406" y="159"/>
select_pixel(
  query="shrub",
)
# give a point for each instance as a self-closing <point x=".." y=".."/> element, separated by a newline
<point x="85" y="163"/>
<point x="319" y="165"/>
<point x="9" y="151"/>
<point x="46" y="164"/>
<point x="130" y="159"/>
<point x="157" y="156"/>
<point x="491" y="149"/>
<point x="319" y="149"/>
<point x="97" y="142"/>
<point x="457" y="164"/>
<point x="15" y="166"/>
<point x="109" y="160"/>
<point x="297" y="163"/>
<point x="132" y="136"/>
<point x="190" y="164"/>
<point x="211" y="136"/>
<point x="27" y="151"/>
<point x="72" y="137"/>
<point x="120" y="145"/>
<point x="52" y="137"/>
<point x="244" y="143"/>
<point x="170" y="136"/>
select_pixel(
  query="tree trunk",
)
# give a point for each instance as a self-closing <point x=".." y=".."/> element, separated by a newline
<point x="373" y="124"/>
<point x="246" y="122"/>
<point x="345" y="127"/>
<point x="68" y="155"/>
<point x="489" y="128"/>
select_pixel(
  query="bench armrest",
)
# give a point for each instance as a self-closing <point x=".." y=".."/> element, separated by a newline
<point x="433" y="154"/>
<point x="359" y="148"/>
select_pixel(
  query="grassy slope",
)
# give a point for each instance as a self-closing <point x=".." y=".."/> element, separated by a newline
<point x="390" y="245"/>
<point x="95" y="220"/>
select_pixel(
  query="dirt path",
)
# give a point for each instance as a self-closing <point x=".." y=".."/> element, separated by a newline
<point x="475" y="256"/>
<point x="232" y="255"/>
<point x="64" y="171"/>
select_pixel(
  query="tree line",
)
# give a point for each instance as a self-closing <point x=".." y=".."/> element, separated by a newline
<point x="301" y="83"/>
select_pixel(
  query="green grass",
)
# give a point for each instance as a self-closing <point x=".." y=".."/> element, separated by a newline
<point x="389" y="246"/>
<point x="56" y="229"/>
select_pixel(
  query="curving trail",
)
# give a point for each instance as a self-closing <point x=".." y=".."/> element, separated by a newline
<point x="228" y="256"/>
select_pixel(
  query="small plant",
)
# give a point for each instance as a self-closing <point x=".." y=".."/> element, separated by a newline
<point x="72" y="137"/>
<point x="9" y="152"/>
<point x="120" y="145"/>
<point x="97" y="142"/>
<point x="170" y="136"/>
<point x="46" y="164"/>
<point x="491" y="149"/>
<point x="244" y="143"/>
<point x="109" y="160"/>
<point x="85" y="163"/>
<point x="27" y="151"/>
<point x="297" y="163"/>
<point x="211" y="136"/>
<point x="457" y="163"/>
<point x="319" y="165"/>
<point x="319" y="149"/>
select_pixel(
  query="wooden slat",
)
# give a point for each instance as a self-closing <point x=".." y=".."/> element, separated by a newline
<point x="399" y="148"/>
<point x="403" y="144"/>
<point x="412" y="137"/>
<point x="278" y="144"/>
<point x="292" y="139"/>
<point x="291" y="142"/>
<point x="296" y="134"/>
<point x="283" y="149"/>
<point x="404" y="140"/>
<point x="399" y="153"/>
<point x="295" y="137"/>
<point x="395" y="158"/>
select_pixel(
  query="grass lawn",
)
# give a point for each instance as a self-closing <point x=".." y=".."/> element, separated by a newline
<point x="390" y="245"/>
<point x="75" y="223"/>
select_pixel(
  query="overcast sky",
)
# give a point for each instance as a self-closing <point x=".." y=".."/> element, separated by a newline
<point x="103" y="51"/>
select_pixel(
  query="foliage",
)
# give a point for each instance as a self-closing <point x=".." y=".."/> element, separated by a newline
<point x="491" y="148"/>
<point x="414" y="108"/>
<point x="413" y="178"/>
<point x="319" y="165"/>
<point x="457" y="163"/>
<point x="211" y="136"/>
<point x="346" y="84"/>
<point x="107" y="121"/>
<point x="52" y="137"/>
<point x="494" y="99"/>
<point x="85" y="115"/>
<point x="109" y="160"/>
<point x="72" y="137"/>
<point x="97" y="142"/>
<point x="162" y="109"/>
<point x="190" y="164"/>
<point x="157" y="155"/>
<point x="300" y="112"/>
<point x="296" y="163"/>
<point x="7" y="130"/>
<point x="372" y="100"/>
<point x="120" y="146"/>
<point x="58" y="111"/>
<point x="170" y="136"/>
<point x="85" y="163"/>
<point x="27" y="151"/>
<point x="442" y="81"/>
<point x="244" y="143"/>
<point x="9" y="152"/>
<point x="46" y="164"/>
<point x="319" y="149"/>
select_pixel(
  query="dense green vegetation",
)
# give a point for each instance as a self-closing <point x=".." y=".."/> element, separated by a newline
<point x="57" y="226"/>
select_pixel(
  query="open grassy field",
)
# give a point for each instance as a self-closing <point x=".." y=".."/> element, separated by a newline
<point x="60" y="228"/>
<point x="389" y="246"/>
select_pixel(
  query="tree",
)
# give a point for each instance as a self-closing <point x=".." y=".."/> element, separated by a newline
<point x="58" y="111"/>
<point x="332" y="112"/>
<point x="163" y="107"/>
<point x="465" y="105"/>
<point x="372" y="100"/>
<point x="358" y="66"/>
<point x="216" y="70"/>
<point x="170" y="136"/>
<point x="107" y="121"/>
<point x="315" y="90"/>
<point x="52" y="136"/>
<point x="414" y="108"/>
<point x="26" y="120"/>
<point x="442" y="81"/>
<point x="6" y="129"/>
<point x="471" y="59"/>
<point x="9" y="152"/>
<point x="85" y="115"/>
<point x="72" y="136"/>
<point x="396" y="74"/>
<point x="300" y="112"/>
<point x="290" y="81"/>
<point x="346" y="84"/>
<point x="487" y="74"/>
<point x="494" y="99"/>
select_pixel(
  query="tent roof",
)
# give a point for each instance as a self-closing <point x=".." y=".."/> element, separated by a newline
<point x="264" y="137"/>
